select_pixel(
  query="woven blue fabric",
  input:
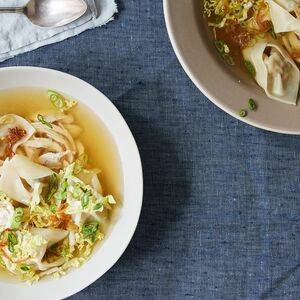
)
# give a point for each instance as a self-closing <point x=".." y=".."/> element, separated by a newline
<point x="221" y="214"/>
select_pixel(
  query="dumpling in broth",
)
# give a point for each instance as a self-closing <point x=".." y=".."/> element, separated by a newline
<point x="276" y="72"/>
<point x="15" y="169"/>
<point x="286" y="24"/>
<point x="51" y="236"/>
<point x="10" y="121"/>
<point x="288" y="4"/>
<point x="282" y="19"/>
<point x="291" y="43"/>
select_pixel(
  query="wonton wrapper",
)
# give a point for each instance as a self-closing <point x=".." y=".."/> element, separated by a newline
<point x="28" y="169"/>
<point x="277" y="74"/>
<point x="12" y="121"/>
<point x="288" y="4"/>
<point x="291" y="43"/>
<point x="11" y="184"/>
<point x="6" y="214"/>
<point x="52" y="236"/>
<point x="282" y="20"/>
<point x="15" y="169"/>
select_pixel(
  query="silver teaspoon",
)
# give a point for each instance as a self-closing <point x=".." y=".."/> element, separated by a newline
<point x="50" y="13"/>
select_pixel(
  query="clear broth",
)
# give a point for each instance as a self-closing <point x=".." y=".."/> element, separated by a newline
<point x="99" y="145"/>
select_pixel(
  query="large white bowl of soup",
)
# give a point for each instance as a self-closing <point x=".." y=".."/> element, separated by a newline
<point x="243" y="55"/>
<point x="70" y="184"/>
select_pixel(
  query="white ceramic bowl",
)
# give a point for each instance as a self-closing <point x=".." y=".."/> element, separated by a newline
<point x="227" y="87"/>
<point x="105" y="256"/>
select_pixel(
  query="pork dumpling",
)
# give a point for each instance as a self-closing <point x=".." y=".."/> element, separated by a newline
<point x="12" y="185"/>
<point x="20" y="167"/>
<point x="291" y="43"/>
<point x="282" y="19"/>
<point x="289" y="5"/>
<point x="275" y="71"/>
<point x="11" y="121"/>
<point x="51" y="237"/>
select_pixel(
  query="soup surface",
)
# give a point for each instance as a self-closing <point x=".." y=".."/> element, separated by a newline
<point x="66" y="170"/>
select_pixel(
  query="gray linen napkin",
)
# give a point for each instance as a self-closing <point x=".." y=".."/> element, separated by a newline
<point x="18" y="35"/>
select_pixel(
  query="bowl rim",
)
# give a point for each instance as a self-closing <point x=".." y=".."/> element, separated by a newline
<point x="219" y="103"/>
<point x="132" y="152"/>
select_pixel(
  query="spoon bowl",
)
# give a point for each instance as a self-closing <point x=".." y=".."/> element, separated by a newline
<point x="50" y="13"/>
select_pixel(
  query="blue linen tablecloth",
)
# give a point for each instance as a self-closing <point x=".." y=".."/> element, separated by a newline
<point x="221" y="214"/>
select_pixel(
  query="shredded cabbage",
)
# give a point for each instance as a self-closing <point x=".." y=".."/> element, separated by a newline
<point x="80" y="197"/>
<point x="58" y="224"/>
<point x="22" y="252"/>
<point x="224" y="10"/>
<point x="28" y="246"/>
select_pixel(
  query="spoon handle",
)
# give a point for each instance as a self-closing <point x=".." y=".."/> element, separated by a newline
<point x="11" y="10"/>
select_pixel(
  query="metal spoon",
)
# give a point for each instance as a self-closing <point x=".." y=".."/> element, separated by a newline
<point x="50" y="13"/>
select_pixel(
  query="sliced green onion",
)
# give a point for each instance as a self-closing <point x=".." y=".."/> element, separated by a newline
<point x="11" y="247"/>
<point x="97" y="206"/>
<point x="61" y="194"/>
<point x="252" y="105"/>
<point x="250" y="68"/>
<point x="77" y="192"/>
<point x="12" y="241"/>
<point x="80" y="163"/>
<point x="53" y="187"/>
<point x="19" y="211"/>
<point x="89" y="230"/>
<point x="41" y="119"/>
<point x="243" y="113"/>
<point x="24" y="268"/>
<point x="53" y="208"/>
<point x="17" y="218"/>
<point x="65" y="251"/>
<point x="57" y="99"/>
<point x="85" y="199"/>
<point x="228" y="58"/>
<point x="12" y="238"/>
<point x="219" y="44"/>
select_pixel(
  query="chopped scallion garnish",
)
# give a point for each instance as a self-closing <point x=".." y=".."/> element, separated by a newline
<point x="250" y="68"/>
<point x="61" y="194"/>
<point x="224" y="50"/>
<point x="57" y="99"/>
<point x="252" y="105"/>
<point x="219" y="44"/>
<point x="243" y="113"/>
<point x="86" y="198"/>
<point x="65" y="251"/>
<point x="228" y="58"/>
<point x="53" y="186"/>
<point x="53" y="208"/>
<point x="97" y="206"/>
<point x="77" y="191"/>
<point x="89" y="230"/>
<point x="17" y="218"/>
<point x="41" y="119"/>
<point x="12" y="241"/>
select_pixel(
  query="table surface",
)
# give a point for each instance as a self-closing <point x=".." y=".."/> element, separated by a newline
<point x="221" y="212"/>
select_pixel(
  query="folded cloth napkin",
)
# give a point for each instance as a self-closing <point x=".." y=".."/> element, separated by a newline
<point x="18" y="35"/>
